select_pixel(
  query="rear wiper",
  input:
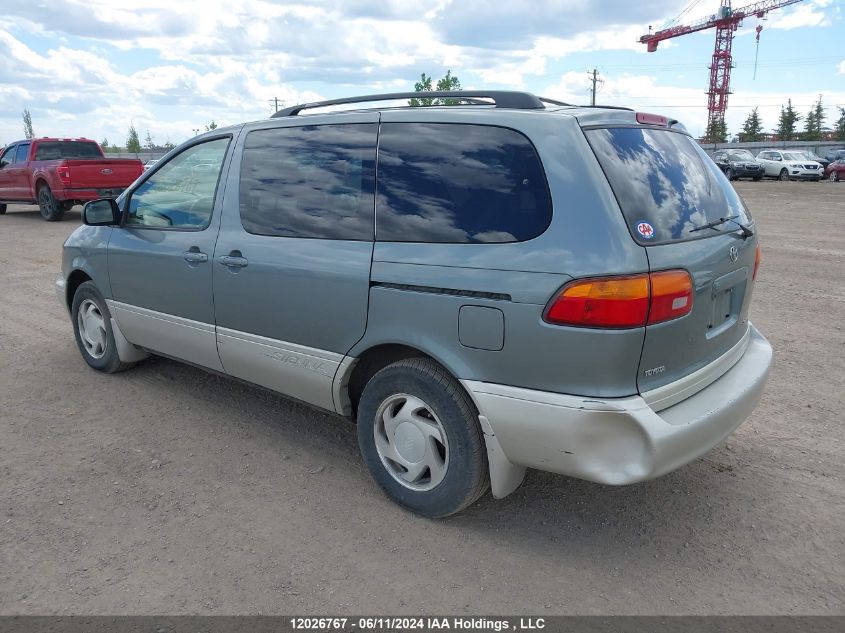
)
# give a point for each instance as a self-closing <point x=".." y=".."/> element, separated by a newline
<point x="746" y="232"/>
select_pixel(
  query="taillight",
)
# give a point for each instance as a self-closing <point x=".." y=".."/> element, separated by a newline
<point x="756" y="263"/>
<point x="64" y="175"/>
<point x="610" y="302"/>
<point x="671" y="295"/>
<point x="622" y="302"/>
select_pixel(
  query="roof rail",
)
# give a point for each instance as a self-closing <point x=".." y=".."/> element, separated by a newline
<point x="500" y="98"/>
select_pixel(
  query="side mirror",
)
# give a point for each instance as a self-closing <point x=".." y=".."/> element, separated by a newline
<point x="103" y="212"/>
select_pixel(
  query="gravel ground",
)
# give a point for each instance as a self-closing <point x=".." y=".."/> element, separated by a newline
<point x="168" y="490"/>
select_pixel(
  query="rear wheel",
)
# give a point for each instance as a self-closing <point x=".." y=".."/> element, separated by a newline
<point x="757" y="178"/>
<point x="419" y="435"/>
<point x="92" y="328"/>
<point x="49" y="206"/>
<point x="784" y="175"/>
<point x="834" y="176"/>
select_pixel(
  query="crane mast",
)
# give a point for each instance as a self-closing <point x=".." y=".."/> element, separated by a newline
<point x="726" y="22"/>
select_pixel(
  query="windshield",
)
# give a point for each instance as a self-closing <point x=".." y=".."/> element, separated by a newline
<point x="54" y="150"/>
<point x="664" y="183"/>
<point x="793" y="156"/>
<point x="741" y="155"/>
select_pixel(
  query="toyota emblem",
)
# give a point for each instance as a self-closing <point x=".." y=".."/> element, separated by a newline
<point x="734" y="253"/>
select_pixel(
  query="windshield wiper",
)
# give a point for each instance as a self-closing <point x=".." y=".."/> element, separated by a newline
<point x="746" y="232"/>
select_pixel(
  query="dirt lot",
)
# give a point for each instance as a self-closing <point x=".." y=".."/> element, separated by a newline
<point x="169" y="490"/>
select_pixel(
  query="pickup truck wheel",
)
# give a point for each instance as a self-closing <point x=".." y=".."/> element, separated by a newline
<point x="50" y="209"/>
<point x="419" y="435"/>
<point x="784" y="175"/>
<point x="3" y="207"/>
<point x="92" y="328"/>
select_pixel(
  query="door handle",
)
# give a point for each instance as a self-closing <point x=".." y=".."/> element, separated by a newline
<point x="233" y="261"/>
<point x="194" y="257"/>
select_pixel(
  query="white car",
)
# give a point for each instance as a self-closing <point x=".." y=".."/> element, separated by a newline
<point x="150" y="163"/>
<point x="789" y="165"/>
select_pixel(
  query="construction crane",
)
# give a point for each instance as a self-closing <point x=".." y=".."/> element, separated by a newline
<point x="726" y="22"/>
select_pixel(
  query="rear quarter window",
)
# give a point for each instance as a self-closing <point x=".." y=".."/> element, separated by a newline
<point x="664" y="183"/>
<point x="459" y="183"/>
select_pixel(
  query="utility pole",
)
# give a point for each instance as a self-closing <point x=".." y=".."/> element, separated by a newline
<point x="594" y="75"/>
<point x="275" y="103"/>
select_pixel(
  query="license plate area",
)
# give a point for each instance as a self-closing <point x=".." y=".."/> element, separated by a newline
<point x="727" y="298"/>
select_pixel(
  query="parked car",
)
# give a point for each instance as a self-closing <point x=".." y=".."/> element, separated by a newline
<point x="836" y="170"/>
<point x="789" y="166"/>
<point x="738" y="163"/>
<point x="58" y="173"/>
<point x="150" y="163"/>
<point x="539" y="286"/>
<point x="835" y="154"/>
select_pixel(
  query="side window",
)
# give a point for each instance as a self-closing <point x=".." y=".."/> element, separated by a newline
<point x="23" y="150"/>
<point x="314" y="181"/>
<point x="180" y="195"/>
<point x="458" y="183"/>
<point x="8" y="156"/>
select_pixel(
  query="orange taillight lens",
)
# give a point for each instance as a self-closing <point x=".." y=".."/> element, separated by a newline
<point x="623" y="302"/>
<point x="671" y="295"/>
<point x="610" y="302"/>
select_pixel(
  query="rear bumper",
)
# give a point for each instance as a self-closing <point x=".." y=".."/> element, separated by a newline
<point x="87" y="194"/>
<point x="613" y="441"/>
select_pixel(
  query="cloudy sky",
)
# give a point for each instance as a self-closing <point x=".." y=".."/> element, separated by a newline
<point x="90" y="67"/>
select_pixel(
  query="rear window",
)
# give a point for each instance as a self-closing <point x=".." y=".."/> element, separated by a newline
<point x="55" y="150"/>
<point x="458" y="183"/>
<point x="664" y="183"/>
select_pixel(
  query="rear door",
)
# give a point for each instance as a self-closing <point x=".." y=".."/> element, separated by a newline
<point x="667" y="189"/>
<point x="292" y="263"/>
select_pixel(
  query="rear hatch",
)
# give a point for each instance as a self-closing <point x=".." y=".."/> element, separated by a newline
<point x="667" y="188"/>
<point x="102" y="173"/>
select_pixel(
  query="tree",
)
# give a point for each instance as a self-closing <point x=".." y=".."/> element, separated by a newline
<point x="717" y="131"/>
<point x="447" y="82"/>
<point x="104" y="144"/>
<point x="211" y="126"/>
<point x="168" y="145"/>
<point x="148" y="142"/>
<point x="839" y="126"/>
<point x="133" y="145"/>
<point x="785" y="130"/>
<point x="814" y="124"/>
<point x="27" y="124"/>
<point x="752" y="129"/>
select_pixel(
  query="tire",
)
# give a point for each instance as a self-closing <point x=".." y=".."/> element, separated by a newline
<point x="783" y="175"/>
<point x="92" y="328"/>
<point x="3" y="208"/>
<point x="435" y="425"/>
<point x="51" y="209"/>
<point x="834" y="177"/>
<point x="730" y="174"/>
<point x="757" y="178"/>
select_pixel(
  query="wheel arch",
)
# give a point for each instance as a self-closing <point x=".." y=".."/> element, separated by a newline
<point x="76" y="278"/>
<point x="365" y="361"/>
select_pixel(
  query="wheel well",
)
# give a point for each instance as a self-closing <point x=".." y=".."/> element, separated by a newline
<point x="373" y="361"/>
<point x="76" y="279"/>
<point x="39" y="183"/>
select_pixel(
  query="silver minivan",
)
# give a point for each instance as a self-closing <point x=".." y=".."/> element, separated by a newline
<point x="503" y="284"/>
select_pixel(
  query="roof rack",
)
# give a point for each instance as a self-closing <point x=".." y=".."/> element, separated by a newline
<point x="501" y="99"/>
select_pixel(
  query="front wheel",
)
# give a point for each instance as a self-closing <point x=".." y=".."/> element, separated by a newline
<point x="757" y="178"/>
<point x="2" y="209"/>
<point x="92" y="329"/>
<point x="419" y="435"/>
<point x="730" y="174"/>
<point x="834" y="176"/>
<point x="51" y="209"/>
<point x="784" y="175"/>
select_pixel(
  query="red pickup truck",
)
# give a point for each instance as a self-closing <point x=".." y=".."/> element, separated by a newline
<point x="57" y="173"/>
